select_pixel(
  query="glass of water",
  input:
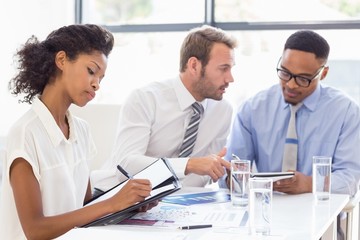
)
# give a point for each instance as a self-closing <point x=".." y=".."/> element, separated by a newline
<point x="239" y="184"/>
<point x="321" y="177"/>
<point x="260" y="205"/>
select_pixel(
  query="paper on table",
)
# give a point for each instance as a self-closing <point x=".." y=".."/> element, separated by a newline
<point x="170" y="215"/>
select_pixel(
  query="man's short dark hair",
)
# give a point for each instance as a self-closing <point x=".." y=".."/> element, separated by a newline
<point x="308" y="41"/>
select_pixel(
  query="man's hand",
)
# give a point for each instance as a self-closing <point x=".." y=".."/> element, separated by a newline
<point x="299" y="183"/>
<point x="212" y="165"/>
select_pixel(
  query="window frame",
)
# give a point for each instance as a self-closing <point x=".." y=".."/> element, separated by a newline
<point x="209" y="19"/>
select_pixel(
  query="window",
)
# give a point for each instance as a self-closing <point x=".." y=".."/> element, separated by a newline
<point x="271" y="11"/>
<point x="149" y="35"/>
<point x="120" y="12"/>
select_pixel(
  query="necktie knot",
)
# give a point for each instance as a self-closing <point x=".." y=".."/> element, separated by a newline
<point x="295" y="108"/>
<point x="198" y="108"/>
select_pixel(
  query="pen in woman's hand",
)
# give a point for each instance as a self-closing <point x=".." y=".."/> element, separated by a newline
<point x="123" y="171"/>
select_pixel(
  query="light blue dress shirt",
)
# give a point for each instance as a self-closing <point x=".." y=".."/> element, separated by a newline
<point x="327" y="124"/>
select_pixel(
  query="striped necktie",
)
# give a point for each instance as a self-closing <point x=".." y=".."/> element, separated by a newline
<point x="291" y="142"/>
<point x="191" y="130"/>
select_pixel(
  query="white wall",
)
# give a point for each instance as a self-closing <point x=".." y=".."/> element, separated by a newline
<point x="19" y="19"/>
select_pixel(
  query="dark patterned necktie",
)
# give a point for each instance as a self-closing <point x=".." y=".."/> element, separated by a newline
<point x="191" y="131"/>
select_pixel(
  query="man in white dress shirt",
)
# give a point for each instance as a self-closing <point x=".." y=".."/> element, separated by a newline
<point x="153" y="119"/>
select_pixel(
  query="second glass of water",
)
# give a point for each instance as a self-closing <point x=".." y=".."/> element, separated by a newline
<point x="239" y="184"/>
<point x="321" y="177"/>
<point x="260" y="205"/>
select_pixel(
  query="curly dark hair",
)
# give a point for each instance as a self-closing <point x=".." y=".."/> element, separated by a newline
<point x="37" y="59"/>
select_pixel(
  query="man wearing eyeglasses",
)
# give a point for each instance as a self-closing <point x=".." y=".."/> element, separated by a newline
<point x="327" y="121"/>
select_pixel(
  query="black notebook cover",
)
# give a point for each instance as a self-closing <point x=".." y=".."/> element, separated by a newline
<point x="173" y="185"/>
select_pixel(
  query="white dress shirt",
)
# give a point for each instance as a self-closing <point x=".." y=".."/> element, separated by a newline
<point x="60" y="165"/>
<point x="152" y="124"/>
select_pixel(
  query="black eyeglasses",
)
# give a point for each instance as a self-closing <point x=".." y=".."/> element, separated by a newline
<point x="300" y="80"/>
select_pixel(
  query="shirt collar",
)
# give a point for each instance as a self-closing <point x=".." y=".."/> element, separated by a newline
<point x="310" y="101"/>
<point x="184" y="97"/>
<point x="50" y="125"/>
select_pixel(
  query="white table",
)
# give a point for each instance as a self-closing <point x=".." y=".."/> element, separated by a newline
<point x="294" y="217"/>
<point x="300" y="217"/>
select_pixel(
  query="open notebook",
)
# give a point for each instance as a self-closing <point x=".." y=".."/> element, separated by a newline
<point x="162" y="178"/>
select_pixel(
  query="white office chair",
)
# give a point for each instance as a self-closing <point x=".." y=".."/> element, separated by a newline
<point x="352" y="220"/>
<point x="103" y="121"/>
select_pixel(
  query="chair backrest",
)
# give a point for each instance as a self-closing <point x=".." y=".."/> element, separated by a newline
<point x="103" y="121"/>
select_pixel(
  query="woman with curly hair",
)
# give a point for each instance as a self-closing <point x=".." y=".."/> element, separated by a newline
<point x="46" y="173"/>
